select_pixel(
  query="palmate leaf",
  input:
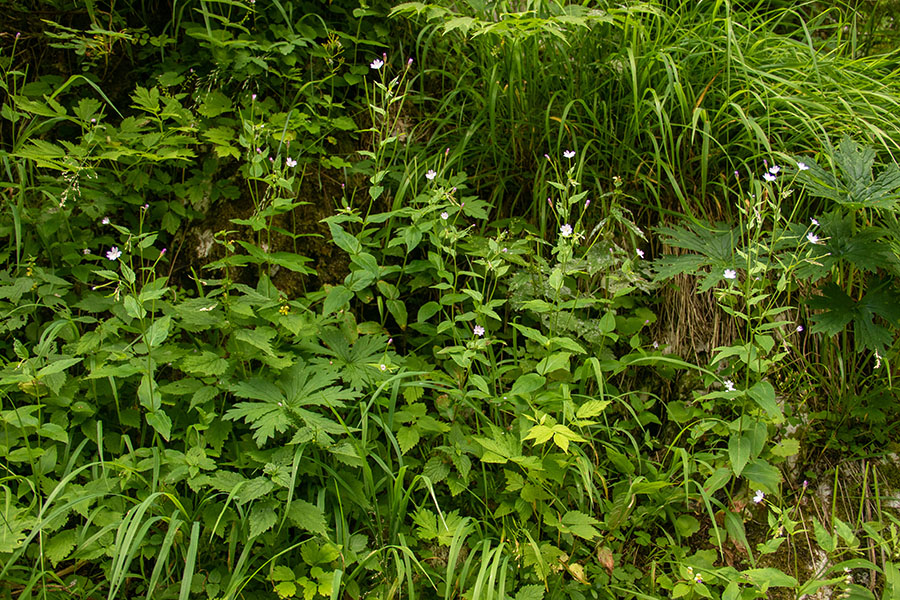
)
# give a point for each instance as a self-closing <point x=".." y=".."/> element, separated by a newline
<point x="839" y="310"/>
<point x="711" y="247"/>
<point x="279" y="405"/>
<point x="352" y="361"/>
<point x="857" y="187"/>
<point x="868" y="249"/>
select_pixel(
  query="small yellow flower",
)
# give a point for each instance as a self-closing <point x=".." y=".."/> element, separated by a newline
<point x="28" y="272"/>
<point x="284" y="310"/>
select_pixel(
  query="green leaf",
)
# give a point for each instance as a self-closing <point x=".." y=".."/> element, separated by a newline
<point x="60" y="545"/>
<point x="308" y="516"/>
<point x="530" y="592"/>
<point x="739" y="446"/>
<point x="262" y="518"/>
<point x="786" y="447"/>
<point x="58" y="366"/>
<point x="762" y="475"/>
<point x="763" y="393"/>
<point x="258" y="338"/>
<point x="427" y="310"/>
<point x="580" y="524"/>
<point x="407" y="437"/>
<point x="528" y="383"/>
<point x="591" y="409"/>
<point x="158" y="332"/>
<point x="205" y="364"/>
<point x="161" y="422"/>
<point x="770" y="577"/>
<point x="337" y="297"/>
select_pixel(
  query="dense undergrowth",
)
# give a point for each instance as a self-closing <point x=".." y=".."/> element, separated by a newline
<point x="451" y="300"/>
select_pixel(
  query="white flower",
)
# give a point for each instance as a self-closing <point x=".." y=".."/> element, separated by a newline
<point x="799" y="328"/>
<point x="431" y="174"/>
<point x="377" y="64"/>
<point x="86" y="251"/>
<point x="802" y="166"/>
<point x="114" y="253"/>
<point x="382" y="366"/>
<point x="758" y="497"/>
<point x="774" y="169"/>
<point x="445" y="215"/>
<point x="814" y="222"/>
<point x="569" y="154"/>
<point x="769" y="177"/>
<point x="478" y="330"/>
<point x="290" y="162"/>
<point x="655" y="345"/>
<point x="729" y="385"/>
<point x="565" y="230"/>
<point x="812" y="238"/>
<point x="105" y="221"/>
<point x="729" y="274"/>
<point x="640" y="253"/>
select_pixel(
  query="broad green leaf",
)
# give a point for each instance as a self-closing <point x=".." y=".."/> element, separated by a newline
<point x="158" y="332"/>
<point x="528" y="383"/>
<point x="739" y="446"/>
<point x="763" y="393"/>
<point x="580" y="524"/>
<point x="161" y="422"/>
<point x="308" y="516"/>
<point x="262" y="518"/>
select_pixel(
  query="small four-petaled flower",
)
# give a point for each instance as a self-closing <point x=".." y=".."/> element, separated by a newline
<point x="812" y="238"/>
<point x="569" y="154"/>
<point x="769" y="177"/>
<point x="640" y="253"/>
<point x="729" y="274"/>
<point x="114" y="253"/>
<point x="290" y="162"/>
<point x="377" y="64"/>
<point x="430" y="175"/>
<point x="565" y="230"/>
<point x="729" y="385"/>
<point x="758" y="497"/>
<point x="802" y="166"/>
<point x="478" y="330"/>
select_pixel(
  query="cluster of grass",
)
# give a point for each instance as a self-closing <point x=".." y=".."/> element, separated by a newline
<point x="356" y="300"/>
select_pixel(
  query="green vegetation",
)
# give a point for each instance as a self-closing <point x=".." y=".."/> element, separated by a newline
<point x="483" y="300"/>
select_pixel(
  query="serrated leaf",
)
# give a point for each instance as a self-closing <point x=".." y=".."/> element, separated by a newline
<point x="591" y="409"/>
<point x="436" y="469"/>
<point x="60" y="545"/>
<point x="308" y="516"/>
<point x="786" y="447"/>
<point x="580" y="524"/>
<point x="530" y="592"/>
<point x="258" y="338"/>
<point x="205" y="364"/>
<point x="262" y="518"/>
<point x="407" y="437"/>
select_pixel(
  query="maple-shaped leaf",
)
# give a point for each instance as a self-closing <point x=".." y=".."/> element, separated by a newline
<point x="711" y="247"/>
<point x="857" y="187"/>
<point x="352" y="361"/>
<point x="839" y="310"/>
<point x="279" y="405"/>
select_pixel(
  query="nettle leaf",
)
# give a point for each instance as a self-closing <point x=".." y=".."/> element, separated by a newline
<point x="262" y="518"/>
<point x="205" y="364"/>
<point x="308" y="516"/>
<point x="580" y="524"/>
